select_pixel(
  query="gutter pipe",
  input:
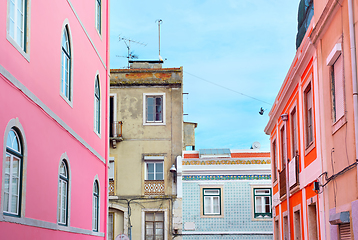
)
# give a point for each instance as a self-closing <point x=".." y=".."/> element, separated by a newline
<point x="354" y="72"/>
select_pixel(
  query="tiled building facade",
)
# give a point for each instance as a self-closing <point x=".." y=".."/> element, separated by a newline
<point x="218" y="195"/>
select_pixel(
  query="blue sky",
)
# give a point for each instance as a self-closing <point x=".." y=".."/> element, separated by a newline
<point x="245" y="46"/>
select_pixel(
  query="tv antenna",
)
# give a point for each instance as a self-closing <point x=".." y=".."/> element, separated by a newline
<point x="159" y="21"/>
<point x="127" y="42"/>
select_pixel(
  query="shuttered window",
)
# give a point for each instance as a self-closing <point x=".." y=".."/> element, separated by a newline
<point x="345" y="231"/>
<point x="337" y="89"/>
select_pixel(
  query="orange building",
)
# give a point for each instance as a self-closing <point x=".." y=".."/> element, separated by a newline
<point x="295" y="143"/>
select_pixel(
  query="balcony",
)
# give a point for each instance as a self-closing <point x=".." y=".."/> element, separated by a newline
<point x="115" y="133"/>
<point x="153" y="187"/>
<point x="293" y="174"/>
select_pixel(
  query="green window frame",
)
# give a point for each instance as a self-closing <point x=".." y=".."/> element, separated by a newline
<point x="13" y="174"/>
<point x="212" y="201"/>
<point x="262" y="203"/>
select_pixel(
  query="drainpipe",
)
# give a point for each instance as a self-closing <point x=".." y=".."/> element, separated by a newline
<point x="354" y="71"/>
<point x="284" y="118"/>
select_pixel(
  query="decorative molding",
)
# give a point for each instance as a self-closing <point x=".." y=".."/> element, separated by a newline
<point x="226" y="177"/>
<point x="225" y="162"/>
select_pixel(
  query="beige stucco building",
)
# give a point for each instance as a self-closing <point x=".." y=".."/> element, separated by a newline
<point x="146" y="117"/>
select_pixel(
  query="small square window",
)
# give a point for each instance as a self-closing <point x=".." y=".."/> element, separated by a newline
<point x="154" y="109"/>
<point x="154" y="170"/>
<point x="262" y="203"/>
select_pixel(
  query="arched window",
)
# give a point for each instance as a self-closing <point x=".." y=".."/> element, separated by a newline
<point x="63" y="180"/>
<point x="13" y="174"/>
<point x="66" y="65"/>
<point x="97" y="107"/>
<point x="95" y="208"/>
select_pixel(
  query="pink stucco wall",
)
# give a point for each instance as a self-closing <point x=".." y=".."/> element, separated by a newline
<point x="46" y="138"/>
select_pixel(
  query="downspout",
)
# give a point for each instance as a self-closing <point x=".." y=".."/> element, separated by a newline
<point x="354" y="72"/>
<point x="107" y="122"/>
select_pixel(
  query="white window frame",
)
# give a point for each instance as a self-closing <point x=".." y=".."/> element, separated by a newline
<point x="16" y="125"/>
<point x="67" y="97"/>
<point x="98" y="16"/>
<point x="114" y="112"/>
<point x="23" y="47"/>
<point x="261" y="196"/>
<point x="203" y="202"/>
<point x="13" y="153"/>
<point x="63" y="182"/>
<point x="155" y="162"/>
<point x="274" y="160"/>
<point x="294" y="130"/>
<point x="145" y="96"/>
<point x="95" y="207"/>
<point x="333" y="57"/>
<point x="309" y="144"/>
<point x="66" y="223"/>
<point x="97" y="107"/>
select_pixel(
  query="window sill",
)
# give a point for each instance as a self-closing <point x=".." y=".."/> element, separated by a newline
<point x="310" y="147"/>
<point x="338" y="124"/>
<point x="263" y="219"/>
<point x="26" y="55"/>
<point x="212" y="216"/>
<point x="154" y="123"/>
<point x="66" y="100"/>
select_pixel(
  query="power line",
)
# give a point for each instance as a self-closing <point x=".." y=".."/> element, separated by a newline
<point x="228" y="88"/>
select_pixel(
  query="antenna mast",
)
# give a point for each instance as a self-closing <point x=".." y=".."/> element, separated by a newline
<point x="127" y="42"/>
<point x="159" y="22"/>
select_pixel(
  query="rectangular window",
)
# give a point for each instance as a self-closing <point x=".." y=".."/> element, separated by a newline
<point x="155" y="170"/>
<point x="262" y="203"/>
<point x="308" y="97"/>
<point x="154" y="225"/>
<point x="17" y="22"/>
<point x="110" y="226"/>
<point x="154" y="109"/>
<point x="297" y="225"/>
<point x="211" y="201"/>
<point x="337" y="88"/>
<point x="274" y="161"/>
<point x="98" y="15"/>
<point x="294" y="132"/>
<point x="283" y="147"/>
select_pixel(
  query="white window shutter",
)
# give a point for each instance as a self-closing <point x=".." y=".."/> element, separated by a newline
<point x="339" y="87"/>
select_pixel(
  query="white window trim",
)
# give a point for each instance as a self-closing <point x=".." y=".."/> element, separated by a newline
<point x="64" y="157"/>
<point x="308" y="148"/>
<point x="155" y="210"/>
<point x="64" y="25"/>
<point x="98" y="133"/>
<point x="99" y="31"/>
<point x="274" y="161"/>
<point x="27" y="34"/>
<point x="15" y="123"/>
<point x="145" y="107"/>
<point x="146" y="169"/>
<point x="294" y="107"/>
<point x="205" y="186"/>
<point x="253" y="202"/>
<point x="114" y="96"/>
<point x="99" y="205"/>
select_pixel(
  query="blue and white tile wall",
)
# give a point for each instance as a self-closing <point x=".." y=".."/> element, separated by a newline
<point x="237" y="211"/>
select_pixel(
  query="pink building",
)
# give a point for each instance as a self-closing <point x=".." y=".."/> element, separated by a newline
<point x="53" y="126"/>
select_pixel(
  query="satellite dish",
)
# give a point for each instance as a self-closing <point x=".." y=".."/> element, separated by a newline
<point x="122" y="237"/>
<point x="256" y="145"/>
